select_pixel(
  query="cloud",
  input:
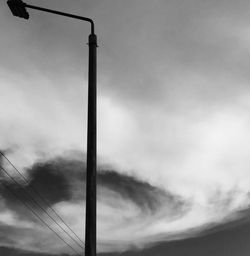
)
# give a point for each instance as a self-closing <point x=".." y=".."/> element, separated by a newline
<point x="61" y="181"/>
<point x="173" y="112"/>
<point x="131" y="212"/>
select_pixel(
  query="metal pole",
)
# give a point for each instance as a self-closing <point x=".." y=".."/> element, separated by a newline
<point x="18" y="9"/>
<point x="90" y="221"/>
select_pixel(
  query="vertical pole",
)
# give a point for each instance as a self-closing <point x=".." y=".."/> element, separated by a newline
<point x="90" y="225"/>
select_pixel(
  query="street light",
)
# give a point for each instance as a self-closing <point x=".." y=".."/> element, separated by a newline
<point x="18" y="8"/>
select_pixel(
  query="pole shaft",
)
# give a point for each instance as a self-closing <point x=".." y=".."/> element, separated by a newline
<point x="90" y="230"/>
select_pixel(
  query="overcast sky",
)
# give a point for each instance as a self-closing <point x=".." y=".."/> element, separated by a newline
<point x="173" y="117"/>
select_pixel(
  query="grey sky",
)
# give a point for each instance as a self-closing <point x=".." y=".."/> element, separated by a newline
<point x="173" y="96"/>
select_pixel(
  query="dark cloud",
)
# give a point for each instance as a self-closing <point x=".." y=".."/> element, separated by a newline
<point x="45" y="179"/>
<point x="146" y="196"/>
<point x="49" y="179"/>
<point x="62" y="179"/>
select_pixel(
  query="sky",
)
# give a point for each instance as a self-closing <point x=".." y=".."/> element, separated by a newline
<point x="173" y="124"/>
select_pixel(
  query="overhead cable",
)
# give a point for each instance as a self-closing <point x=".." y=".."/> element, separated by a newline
<point x="42" y="198"/>
<point x="36" y="214"/>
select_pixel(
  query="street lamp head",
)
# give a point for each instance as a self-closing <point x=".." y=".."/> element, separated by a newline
<point x="17" y="8"/>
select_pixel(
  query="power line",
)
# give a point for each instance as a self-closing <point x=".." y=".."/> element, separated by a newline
<point x="37" y="204"/>
<point x="37" y="215"/>
<point x="44" y="201"/>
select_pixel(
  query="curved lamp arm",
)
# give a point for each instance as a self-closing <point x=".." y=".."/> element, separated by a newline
<point x="17" y="8"/>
